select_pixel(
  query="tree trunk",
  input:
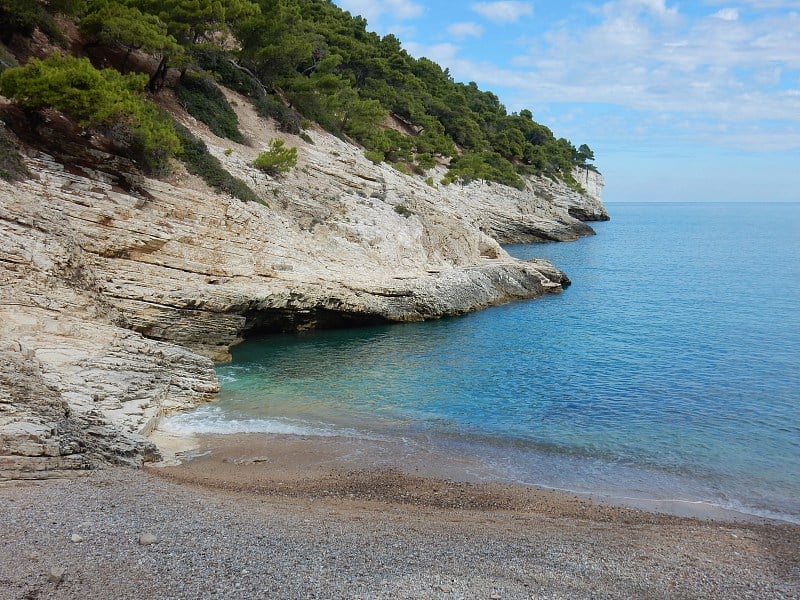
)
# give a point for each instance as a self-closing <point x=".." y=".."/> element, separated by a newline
<point x="157" y="78"/>
<point x="124" y="65"/>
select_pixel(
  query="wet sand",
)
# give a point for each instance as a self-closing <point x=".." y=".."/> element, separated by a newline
<point x="386" y="470"/>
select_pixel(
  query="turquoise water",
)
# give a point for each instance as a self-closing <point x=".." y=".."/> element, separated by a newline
<point x="670" y="369"/>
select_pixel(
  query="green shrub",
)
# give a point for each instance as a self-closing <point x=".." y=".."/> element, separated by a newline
<point x="194" y="154"/>
<point x="306" y="138"/>
<point x="202" y="99"/>
<point x="575" y="185"/>
<point x="124" y="27"/>
<point x="483" y="166"/>
<point x="97" y="97"/>
<point x="277" y="159"/>
<point x="425" y="161"/>
<point x="376" y="156"/>
<point x="400" y="147"/>
<point x="402" y="167"/>
<point x="402" y="209"/>
<point x="23" y="17"/>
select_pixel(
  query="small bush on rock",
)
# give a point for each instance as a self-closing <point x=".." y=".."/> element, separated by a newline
<point x="402" y="209"/>
<point x="277" y="159"/>
<point x="375" y="156"/>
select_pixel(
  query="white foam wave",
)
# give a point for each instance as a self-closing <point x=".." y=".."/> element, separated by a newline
<point x="213" y="421"/>
<point x="763" y="513"/>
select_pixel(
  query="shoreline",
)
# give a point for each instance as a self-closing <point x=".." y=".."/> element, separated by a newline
<point x="261" y="463"/>
<point x="288" y="518"/>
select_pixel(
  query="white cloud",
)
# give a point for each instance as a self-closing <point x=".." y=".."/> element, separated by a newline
<point x="635" y="51"/>
<point x="727" y="14"/>
<point x="369" y="9"/>
<point x="763" y="4"/>
<point x="465" y="29"/>
<point x="631" y="9"/>
<point x="403" y="9"/>
<point x="503" y="12"/>
<point x="373" y="10"/>
<point x="445" y="55"/>
<point x="733" y="83"/>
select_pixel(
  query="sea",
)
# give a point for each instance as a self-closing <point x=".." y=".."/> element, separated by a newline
<point x="668" y="371"/>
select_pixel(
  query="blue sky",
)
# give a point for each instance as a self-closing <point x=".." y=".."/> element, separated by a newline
<point x="683" y="101"/>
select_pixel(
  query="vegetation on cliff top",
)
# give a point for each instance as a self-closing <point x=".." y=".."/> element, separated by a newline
<point x="96" y="97"/>
<point x="300" y="59"/>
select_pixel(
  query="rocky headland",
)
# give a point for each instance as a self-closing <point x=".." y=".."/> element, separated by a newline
<point x="119" y="292"/>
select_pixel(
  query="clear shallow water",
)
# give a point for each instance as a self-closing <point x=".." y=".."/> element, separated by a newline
<point x="669" y="370"/>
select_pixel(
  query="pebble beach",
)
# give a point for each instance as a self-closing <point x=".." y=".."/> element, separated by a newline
<point x="291" y="517"/>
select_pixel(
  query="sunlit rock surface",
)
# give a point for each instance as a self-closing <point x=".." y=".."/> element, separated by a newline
<point x="118" y="292"/>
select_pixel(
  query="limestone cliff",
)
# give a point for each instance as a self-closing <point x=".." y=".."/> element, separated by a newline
<point x="118" y="292"/>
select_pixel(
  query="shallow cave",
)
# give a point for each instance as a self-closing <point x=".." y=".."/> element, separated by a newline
<point x="286" y="320"/>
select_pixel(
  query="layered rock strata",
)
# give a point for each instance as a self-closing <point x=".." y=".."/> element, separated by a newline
<point x="118" y="292"/>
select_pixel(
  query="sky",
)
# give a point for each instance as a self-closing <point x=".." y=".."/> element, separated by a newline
<point x="680" y="101"/>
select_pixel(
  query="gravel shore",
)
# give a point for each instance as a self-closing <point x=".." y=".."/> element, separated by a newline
<point x="221" y="527"/>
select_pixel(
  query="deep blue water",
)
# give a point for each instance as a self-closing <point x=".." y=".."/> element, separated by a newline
<point x="670" y="369"/>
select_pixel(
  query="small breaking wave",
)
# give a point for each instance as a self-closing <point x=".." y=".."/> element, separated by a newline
<point x="212" y="420"/>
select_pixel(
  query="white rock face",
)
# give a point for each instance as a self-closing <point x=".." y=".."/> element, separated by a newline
<point x="116" y="295"/>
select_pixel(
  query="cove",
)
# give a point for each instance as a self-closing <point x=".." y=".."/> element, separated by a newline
<point x="668" y="370"/>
